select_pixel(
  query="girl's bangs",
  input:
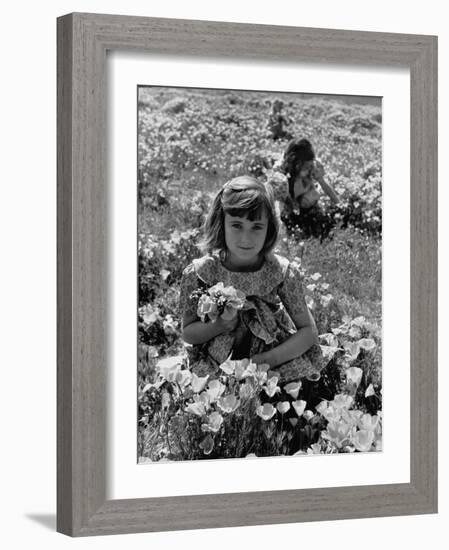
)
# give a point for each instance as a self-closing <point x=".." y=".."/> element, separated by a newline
<point x="248" y="205"/>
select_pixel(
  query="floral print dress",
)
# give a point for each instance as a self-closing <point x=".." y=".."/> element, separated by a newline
<point x="273" y="294"/>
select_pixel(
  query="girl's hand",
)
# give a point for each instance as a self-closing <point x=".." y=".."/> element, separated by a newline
<point x="318" y="170"/>
<point x="225" y="326"/>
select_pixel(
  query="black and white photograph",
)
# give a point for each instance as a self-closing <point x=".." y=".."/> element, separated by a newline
<point x="259" y="274"/>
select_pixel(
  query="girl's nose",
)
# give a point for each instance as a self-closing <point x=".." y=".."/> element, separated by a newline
<point x="246" y="238"/>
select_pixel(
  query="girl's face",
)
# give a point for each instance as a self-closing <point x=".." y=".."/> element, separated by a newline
<point x="245" y="239"/>
<point x="305" y="168"/>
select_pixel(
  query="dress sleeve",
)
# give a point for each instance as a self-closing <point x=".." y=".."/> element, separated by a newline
<point x="291" y="291"/>
<point x="189" y="283"/>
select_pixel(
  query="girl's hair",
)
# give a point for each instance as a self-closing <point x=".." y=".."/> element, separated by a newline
<point x="297" y="152"/>
<point x="243" y="197"/>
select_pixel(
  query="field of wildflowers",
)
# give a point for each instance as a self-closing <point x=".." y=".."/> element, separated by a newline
<point x="190" y="143"/>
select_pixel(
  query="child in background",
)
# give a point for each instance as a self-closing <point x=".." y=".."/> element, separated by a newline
<point x="302" y="170"/>
<point x="274" y="326"/>
<point x="277" y="122"/>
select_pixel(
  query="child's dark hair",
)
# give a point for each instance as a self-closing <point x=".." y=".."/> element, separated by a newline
<point x="243" y="197"/>
<point x="296" y="153"/>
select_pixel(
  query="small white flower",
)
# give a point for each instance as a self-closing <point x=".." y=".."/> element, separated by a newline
<point x="283" y="406"/>
<point x="215" y="390"/>
<point x="308" y="414"/>
<point x="367" y="344"/>
<point x="271" y="386"/>
<point x="229" y="403"/>
<point x="169" y="367"/>
<point x="354" y="375"/>
<point x="321" y="407"/>
<point x="293" y="389"/>
<point x="363" y="440"/>
<point x="266" y="412"/>
<point x="299" y="406"/>
<point x="196" y="408"/>
<point x="214" y="422"/>
<point x="198" y="384"/>
<point x="342" y="401"/>
<point x="368" y="422"/>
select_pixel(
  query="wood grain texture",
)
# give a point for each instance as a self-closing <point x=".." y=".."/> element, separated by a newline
<point x="64" y="277"/>
<point x="83" y="40"/>
<point x="423" y="272"/>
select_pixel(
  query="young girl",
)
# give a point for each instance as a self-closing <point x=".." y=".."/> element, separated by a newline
<point x="274" y="326"/>
<point x="277" y="122"/>
<point x="303" y="170"/>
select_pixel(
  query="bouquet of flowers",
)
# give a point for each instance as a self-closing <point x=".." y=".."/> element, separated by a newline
<point x="219" y="300"/>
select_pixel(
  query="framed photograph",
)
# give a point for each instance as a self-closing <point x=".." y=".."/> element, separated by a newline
<point x="243" y="270"/>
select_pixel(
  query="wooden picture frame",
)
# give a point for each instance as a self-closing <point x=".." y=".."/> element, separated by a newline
<point x="83" y="40"/>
